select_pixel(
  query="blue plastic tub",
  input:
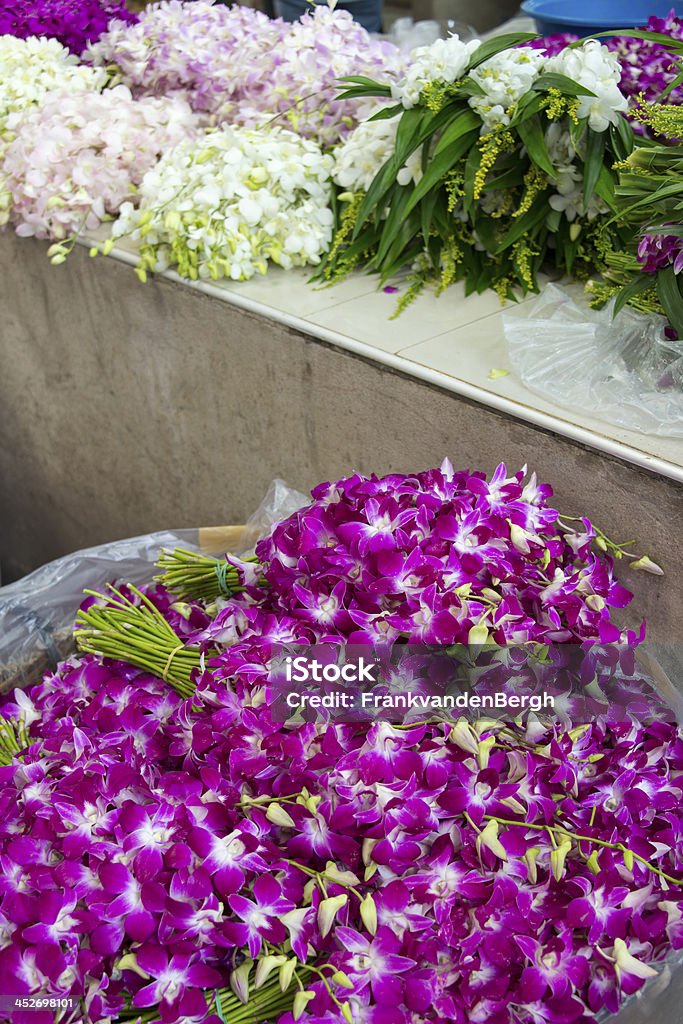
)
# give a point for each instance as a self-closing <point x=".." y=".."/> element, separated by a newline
<point x="588" y="17"/>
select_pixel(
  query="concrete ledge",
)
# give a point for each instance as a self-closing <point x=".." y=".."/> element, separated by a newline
<point x="125" y="410"/>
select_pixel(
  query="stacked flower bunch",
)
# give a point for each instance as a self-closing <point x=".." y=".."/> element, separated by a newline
<point x="76" y="157"/>
<point x="171" y="852"/>
<point x="239" y="66"/>
<point x="647" y="58"/>
<point x="498" y="162"/>
<point x="30" y="70"/>
<point x="227" y="204"/>
<point x="648" y="273"/>
<point x="74" y="23"/>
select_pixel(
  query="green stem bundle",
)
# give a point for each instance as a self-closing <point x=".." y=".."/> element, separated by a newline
<point x="118" y="628"/>
<point x="198" y="577"/>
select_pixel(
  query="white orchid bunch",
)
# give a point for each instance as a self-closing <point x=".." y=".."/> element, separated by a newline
<point x="227" y="205"/>
<point x="76" y="157"/>
<point x="30" y="70"/>
<point x="595" y="68"/>
<point x="443" y="61"/>
<point x="358" y="158"/>
<point x="503" y="80"/>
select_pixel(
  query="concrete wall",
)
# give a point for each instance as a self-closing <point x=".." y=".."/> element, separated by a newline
<point x="126" y="409"/>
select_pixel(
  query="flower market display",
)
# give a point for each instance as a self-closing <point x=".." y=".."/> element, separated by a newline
<point x="501" y="161"/>
<point x="87" y="153"/>
<point x="171" y="852"/>
<point x="226" y="205"/>
<point x="239" y="66"/>
<point x="647" y="273"/>
<point x="74" y="23"/>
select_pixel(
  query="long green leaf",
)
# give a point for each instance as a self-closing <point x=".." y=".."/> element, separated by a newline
<point x="567" y="86"/>
<point x="593" y="162"/>
<point x="669" y="292"/>
<point x="493" y="46"/>
<point x="386" y="113"/>
<point x="524" y="225"/>
<point x="438" y="167"/>
<point x="464" y="121"/>
<point x="531" y="134"/>
<point x="395" y="220"/>
<point x="640" y="283"/>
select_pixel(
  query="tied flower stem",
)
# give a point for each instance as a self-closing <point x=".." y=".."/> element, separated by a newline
<point x="139" y="635"/>
<point x="567" y="833"/>
<point x="198" y="577"/>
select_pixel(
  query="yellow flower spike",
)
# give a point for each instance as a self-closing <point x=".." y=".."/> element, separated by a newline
<point x="558" y="857"/>
<point x="277" y="814"/>
<point x="488" y="837"/>
<point x="328" y="910"/>
<point x="368" y="914"/>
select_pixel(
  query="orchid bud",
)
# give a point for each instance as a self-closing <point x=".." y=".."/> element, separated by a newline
<point x="58" y="259"/>
<point x="287" y="973"/>
<point x="370" y="871"/>
<point x="335" y="874"/>
<point x="595" y="602"/>
<point x="309" y="889"/>
<point x="488" y="837"/>
<point x="574" y="231"/>
<point x="93" y="252"/>
<point x="647" y="565"/>
<point x="340" y="978"/>
<point x="624" y="961"/>
<point x="629" y="860"/>
<point x="279" y="816"/>
<point x="129" y="962"/>
<point x="346" y="1012"/>
<point x="478" y="635"/>
<point x="239" y="981"/>
<point x="484" y="751"/>
<point x="107" y="246"/>
<point x="519" y="538"/>
<point x="600" y="543"/>
<point x="328" y="910"/>
<point x="530" y="858"/>
<point x="558" y="857"/>
<point x="265" y="967"/>
<point x="462" y="735"/>
<point x="367" y="848"/>
<point x="368" y="914"/>
<point x="592" y="863"/>
<point x="301" y="1001"/>
<point x="312" y="803"/>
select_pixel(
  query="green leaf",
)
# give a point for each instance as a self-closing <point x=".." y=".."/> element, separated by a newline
<point x="361" y="80"/>
<point x="531" y="134"/>
<point x="669" y="292"/>
<point x="531" y="103"/>
<point x="678" y="80"/>
<point x="358" y="91"/>
<point x="438" y="167"/>
<point x="593" y="162"/>
<point x="493" y="46"/>
<point x="524" y="225"/>
<point x="386" y="113"/>
<point x="623" y="138"/>
<point x="395" y="220"/>
<point x="551" y="80"/>
<point x="464" y="121"/>
<point x="640" y="283"/>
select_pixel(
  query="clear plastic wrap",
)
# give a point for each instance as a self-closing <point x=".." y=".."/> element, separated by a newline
<point x="37" y="612"/>
<point x="622" y="369"/>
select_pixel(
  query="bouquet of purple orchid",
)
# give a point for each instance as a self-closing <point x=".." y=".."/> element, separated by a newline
<point x="75" y="23"/>
<point x="170" y="852"/>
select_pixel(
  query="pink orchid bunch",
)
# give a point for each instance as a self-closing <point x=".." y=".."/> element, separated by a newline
<point x="235" y="65"/>
<point x="75" y="159"/>
<point x="154" y="848"/>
